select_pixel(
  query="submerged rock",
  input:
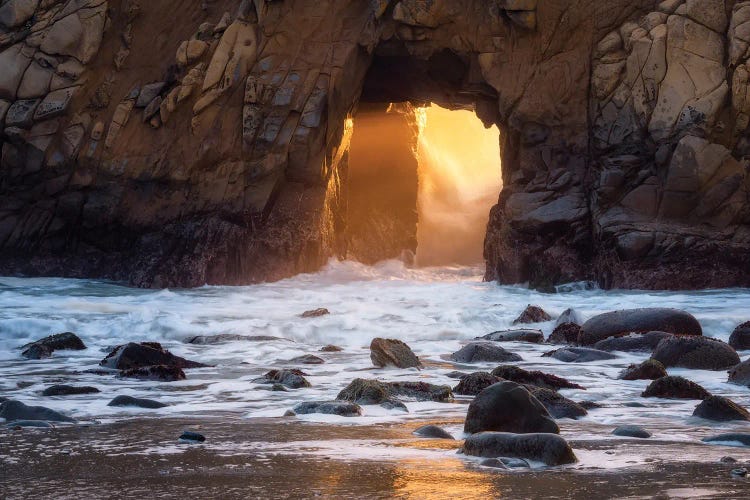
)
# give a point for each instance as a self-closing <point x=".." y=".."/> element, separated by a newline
<point x="506" y="463"/>
<point x="634" y="342"/>
<point x="740" y="374"/>
<point x="133" y="355"/>
<point x="700" y="353"/>
<point x="68" y="390"/>
<point x="740" y="337"/>
<point x="565" y="333"/>
<point x="432" y="431"/>
<point x="193" y="437"/>
<point x="294" y="379"/>
<point x="315" y="313"/>
<point x="477" y="352"/>
<point x="532" y="314"/>
<point x="521" y="335"/>
<point x="537" y="378"/>
<point x="569" y="317"/>
<point x="160" y="373"/>
<point x="307" y="359"/>
<point x="365" y="392"/>
<point x="730" y="437"/>
<point x="229" y="337"/>
<point x="623" y="322"/>
<point x="12" y="410"/>
<point x="548" y="448"/>
<point x="474" y="383"/>
<point x="648" y="370"/>
<point x="508" y="407"/>
<point x="420" y="391"/>
<point x="39" y="424"/>
<point x="392" y="352"/>
<point x="632" y="431"/>
<point x="674" y="387"/>
<point x="578" y="355"/>
<point x="331" y="348"/>
<point x="123" y="401"/>
<point x="43" y="348"/>
<point x="557" y="405"/>
<point x="340" y="408"/>
<point x="720" y="409"/>
<point x="373" y="392"/>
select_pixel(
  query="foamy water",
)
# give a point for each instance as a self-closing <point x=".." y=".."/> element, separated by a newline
<point x="433" y="310"/>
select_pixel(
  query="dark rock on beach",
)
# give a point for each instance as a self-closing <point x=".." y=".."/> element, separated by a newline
<point x="474" y="383"/>
<point x="534" y="377"/>
<point x="700" y="353"/>
<point x="392" y="352"/>
<point x="565" y="333"/>
<point x="532" y="314"/>
<point x="12" y="410"/>
<point x="193" y="437"/>
<point x="138" y="355"/>
<point x="740" y="337"/>
<point x="68" y="390"/>
<point x="159" y="373"/>
<point x="340" y="408"/>
<point x="674" y="387"/>
<point x="125" y="401"/>
<point x="508" y="407"/>
<point x="477" y="352"/>
<point x="43" y="348"/>
<point x="634" y="342"/>
<point x="557" y="405"/>
<point x="740" y="374"/>
<point x="521" y="335"/>
<point x="632" y="431"/>
<point x="648" y="370"/>
<point x="548" y="448"/>
<point x="432" y="431"/>
<point x="579" y="355"/>
<point x="720" y="409"/>
<point x="294" y="379"/>
<point x="623" y="322"/>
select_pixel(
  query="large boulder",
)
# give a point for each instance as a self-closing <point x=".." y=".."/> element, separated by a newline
<point x="392" y="352"/>
<point x="558" y="405"/>
<point x="474" y="383"/>
<point x="548" y="448"/>
<point x="15" y="410"/>
<point x="533" y="377"/>
<point x="700" y="353"/>
<point x="721" y="409"/>
<point x="633" y="342"/>
<point x="578" y="355"/>
<point x="532" y="314"/>
<point x="508" y="407"/>
<point x="648" y="370"/>
<point x="740" y="337"/>
<point x="518" y="335"/>
<point x="477" y="352"/>
<point x="43" y="348"/>
<point x="623" y="322"/>
<point x="340" y="408"/>
<point x="565" y="333"/>
<point x="673" y="387"/>
<point x="740" y="374"/>
<point x="139" y="355"/>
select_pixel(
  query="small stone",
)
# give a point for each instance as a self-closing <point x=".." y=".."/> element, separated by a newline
<point x="67" y="390"/>
<point x="579" y="355"/>
<point x="307" y="359"/>
<point x="741" y="472"/>
<point x="477" y="352"/>
<point x="193" y="437"/>
<point x="340" y="408"/>
<point x="331" y="348"/>
<point x="648" y="370"/>
<point x="532" y="314"/>
<point x="631" y="431"/>
<point x="315" y="313"/>
<point x="124" y="401"/>
<point x="522" y="335"/>
<point x="728" y="460"/>
<point x="293" y="379"/>
<point x="432" y="431"/>
<point x="149" y="92"/>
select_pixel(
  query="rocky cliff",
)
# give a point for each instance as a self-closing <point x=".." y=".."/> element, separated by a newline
<point x="180" y="143"/>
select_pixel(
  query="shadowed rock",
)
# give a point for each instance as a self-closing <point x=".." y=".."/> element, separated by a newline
<point x="15" y="410"/>
<point x="331" y="348"/>
<point x="565" y="333"/>
<point x="730" y="437"/>
<point x="720" y="409"/>
<point x="557" y="405"/>
<point x="673" y="387"/>
<point x="373" y="392"/>
<point x="532" y="314"/>
<point x="634" y="342"/>
<point x="160" y="373"/>
<point x="294" y="379"/>
<point x="521" y="335"/>
<point x="508" y="407"/>
<point x="477" y="352"/>
<point x="307" y="359"/>
<point x="432" y="431"/>
<point x="193" y="437"/>
<point x="569" y="316"/>
<point x="342" y="409"/>
<point x="578" y="355"/>
<point x="632" y="431"/>
<point x="132" y="355"/>
<point x="392" y="352"/>
<point x="740" y="374"/>
<point x="548" y="448"/>
<point x="43" y="348"/>
<point x="696" y="352"/>
<point x="534" y="377"/>
<point x="474" y="383"/>
<point x="648" y="370"/>
<point x="125" y="401"/>
<point x="740" y="337"/>
<point x="623" y="322"/>
<point x="68" y="390"/>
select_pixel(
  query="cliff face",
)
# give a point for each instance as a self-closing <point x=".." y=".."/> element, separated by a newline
<point x="179" y="143"/>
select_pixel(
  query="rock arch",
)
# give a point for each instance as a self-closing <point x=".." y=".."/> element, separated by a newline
<point x="212" y="148"/>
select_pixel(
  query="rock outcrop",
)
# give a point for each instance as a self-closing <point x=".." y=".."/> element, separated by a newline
<point x="214" y="148"/>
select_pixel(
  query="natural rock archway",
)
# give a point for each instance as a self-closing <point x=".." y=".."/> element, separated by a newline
<point x="181" y="143"/>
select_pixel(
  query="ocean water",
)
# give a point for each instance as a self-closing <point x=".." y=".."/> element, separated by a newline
<point x="434" y="310"/>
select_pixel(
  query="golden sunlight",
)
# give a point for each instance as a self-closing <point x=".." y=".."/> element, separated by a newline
<point x="459" y="182"/>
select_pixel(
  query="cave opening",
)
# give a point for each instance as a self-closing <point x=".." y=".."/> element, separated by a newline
<point x="421" y="181"/>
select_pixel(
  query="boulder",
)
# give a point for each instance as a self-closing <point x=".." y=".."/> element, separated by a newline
<point x="578" y="355"/>
<point x="696" y="352"/>
<point x="68" y="390"/>
<point x="634" y="342"/>
<point x="740" y="337"/>
<point x="730" y="438"/>
<point x="294" y="379"/>
<point x="373" y="392"/>
<point x="569" y="316"/>
<point x="632" y="431"/>
<point x="521" y="335"/>
<point x="565" y="333"/>
<point x="132" y="355"/>
<point x="740" y="374"/>
<point x="648" y="370"/>
<point x="532" y="314"/>
<point x="673" y="387"/>
<point x="534" y="377"/>
<point x="508" y="407"/>
<point x="419" y="391"/>
<point x="432" y="431"/>
<point x="557" y="405"/>
<point x="228" y="337"/>
<point x="315" y="313"/>
<point x="340" y="408"/>
<point x="15" y="410"/>
<point x="43" y="348"/>
<point x="148" y="93"/>
<point x="392" y="352"/>
<point x="123" y="401"/>
<point x="307" y="359"/>
<point x="160" y="373"/>
<point x="474" y="383"/>
<point x="477" y="352"/>
<point x="365" y="392"/>
<point x="623" y="322"/>
<point x="548" y="448"/>
<point x="720" y="409"/>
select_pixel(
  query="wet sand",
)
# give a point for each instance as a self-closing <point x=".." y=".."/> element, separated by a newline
<point x="287" y="458"/>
